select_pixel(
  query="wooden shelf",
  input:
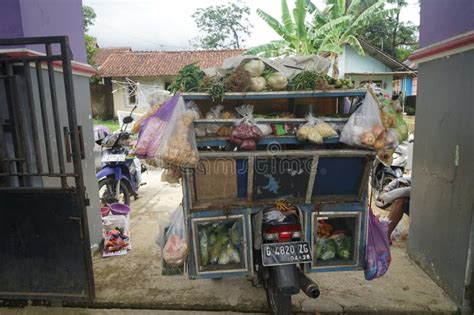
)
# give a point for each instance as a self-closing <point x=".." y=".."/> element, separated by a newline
<point x="276" y="95"/>
<point x="222" y="141"/>
<point x="269" y="120"/>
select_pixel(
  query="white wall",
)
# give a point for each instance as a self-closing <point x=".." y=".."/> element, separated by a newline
<point x="121" y="101"/>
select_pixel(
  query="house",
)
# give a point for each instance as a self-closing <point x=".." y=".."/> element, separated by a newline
<point x="375" y="66"/>
<point x="130" y="75"/>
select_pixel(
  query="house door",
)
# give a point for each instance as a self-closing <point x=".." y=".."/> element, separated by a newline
<point x="44" y="237"/>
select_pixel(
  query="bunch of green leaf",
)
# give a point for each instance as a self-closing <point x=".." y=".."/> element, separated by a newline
<point x="189" y="79"/>
<point x="305" y="80"/>
<point x="216" y="91"/>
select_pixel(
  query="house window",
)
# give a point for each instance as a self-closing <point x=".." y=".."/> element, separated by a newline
<point x="132" y="94"/>
<point x="167" y="85"/>
<point x="378" y="83"/>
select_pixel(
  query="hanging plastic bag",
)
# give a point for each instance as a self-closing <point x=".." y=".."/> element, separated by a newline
<point x="214" y="113"/>
<point x="175" y="249"/>
<point x="378" y="256"/>
<point x="364" y="124"/>
<point x="246" y="134"/>
<point x="178" y="143"/>
<point x="153" y="129"/>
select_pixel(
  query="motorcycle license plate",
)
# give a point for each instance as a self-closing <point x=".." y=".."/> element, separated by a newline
<point x="113" y="158"/>
<point x="275" y="254"/>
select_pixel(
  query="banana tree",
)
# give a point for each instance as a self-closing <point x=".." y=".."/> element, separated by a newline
<point x="293" y="29"/>
<point x="340" y="23"/>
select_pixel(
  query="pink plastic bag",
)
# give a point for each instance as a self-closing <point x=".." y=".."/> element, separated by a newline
<point x="377" y="259"/>
<point x="153" y="128"/>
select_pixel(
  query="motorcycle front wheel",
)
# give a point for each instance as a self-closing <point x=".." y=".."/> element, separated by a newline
<point x="278" y="302"/>
<point x="108" y="192"/>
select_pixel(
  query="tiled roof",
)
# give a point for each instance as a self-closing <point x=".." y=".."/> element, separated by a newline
<point x="157" y="63"/>
<point x="102" y="54"/>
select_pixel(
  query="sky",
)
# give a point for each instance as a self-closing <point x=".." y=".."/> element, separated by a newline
<point x="167" y="24"/>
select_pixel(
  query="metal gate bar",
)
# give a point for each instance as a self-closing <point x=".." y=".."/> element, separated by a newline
<point x="15" y="71"/>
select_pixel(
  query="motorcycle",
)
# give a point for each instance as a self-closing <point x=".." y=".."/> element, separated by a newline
<point x="383" y="174"/>
<point x="280" y="257"/>
<point x="120" y="175"/>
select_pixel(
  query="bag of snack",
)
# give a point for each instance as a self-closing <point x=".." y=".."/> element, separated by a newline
<point x="153" y="129"/>
<point x="214" y="113"/>
<point x="178" y="143"/>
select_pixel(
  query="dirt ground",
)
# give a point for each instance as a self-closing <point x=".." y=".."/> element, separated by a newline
<point x="135" y="280"/>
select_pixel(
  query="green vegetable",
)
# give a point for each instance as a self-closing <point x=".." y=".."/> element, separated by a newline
<point x="325" y="249"/>
<point x="189" y="79"/>
<point x="223" y="237"/>
<point x="203" y="243"/>
<point x="343" y="246"/>
<point x="305" y="80"/>
<point x="216" y="91"/>
<point x="234" y="234"/>
<point x="215" y="252"/>
<point x="224" y="257"/>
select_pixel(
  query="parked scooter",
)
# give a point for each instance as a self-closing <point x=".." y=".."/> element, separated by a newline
<point x="281" y="256"/>
<point x="120" y="175"/>
<point x="383" y="174"/>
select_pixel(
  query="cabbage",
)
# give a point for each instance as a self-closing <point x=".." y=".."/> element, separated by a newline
<point x="277" y="81"/>
<point x="255" y="67"/>
<point x="234" y="234"/>
<point x="257" y="84"/>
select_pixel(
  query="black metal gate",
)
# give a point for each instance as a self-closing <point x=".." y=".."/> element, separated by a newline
<point x="44" y="238"/>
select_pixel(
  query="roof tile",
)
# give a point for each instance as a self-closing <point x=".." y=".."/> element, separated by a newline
<point x="158" y="63"/>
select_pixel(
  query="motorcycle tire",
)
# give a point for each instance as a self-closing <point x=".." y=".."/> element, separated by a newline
<point x="278" y="302"/>
<point x="111" y="184"/>
<point x="379" y="203"/>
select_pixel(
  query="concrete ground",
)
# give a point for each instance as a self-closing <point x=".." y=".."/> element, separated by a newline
<point x="135" y="280"/>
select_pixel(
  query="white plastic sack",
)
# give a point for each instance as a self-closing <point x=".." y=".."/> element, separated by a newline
<point x="175" y="250"/>
<point x="362" y="126"/>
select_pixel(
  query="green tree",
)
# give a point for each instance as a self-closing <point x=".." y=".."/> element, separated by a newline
<point x="223" y="26"/>
<point x="91" y="42"/>
<point x="294" y="31"/>
<point x="341" y="23"/>
<point x="391" y="35"/>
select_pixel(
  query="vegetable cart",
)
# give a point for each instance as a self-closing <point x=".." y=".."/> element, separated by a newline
<point x="225" y="195"/>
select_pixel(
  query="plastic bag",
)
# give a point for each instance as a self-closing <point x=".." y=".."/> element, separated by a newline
<point x="246" y="134"/>
<point x="343" y="245"/>
<point x="116" y="235"/>
<point x="175" y="250"/>
<point x="154" y="127"/>
<point x="315" y="130"/>
<point x="214" y="113"/>
<point x="200" y="129"/>
<point x="378" y="256"/>
<point x="325" y="248"/>
<point x="178" y="143"/>
<point x="359" y="130"/>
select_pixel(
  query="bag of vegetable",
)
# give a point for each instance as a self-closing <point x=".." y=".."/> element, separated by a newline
<point x="364" y="126"/>
<point x="378" y="256"/>
<point x="315" y="130"/>
<point x="175" y="250"/>
<point x="246" y="134"/>
<point x="325" y="248"/>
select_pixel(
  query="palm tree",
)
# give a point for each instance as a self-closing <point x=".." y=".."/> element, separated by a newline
<point x="340" y="23"/>
<point x="293" y="30"/>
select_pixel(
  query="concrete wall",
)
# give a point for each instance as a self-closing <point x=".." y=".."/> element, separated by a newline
<point x="32" y="18"/>
<point x="121" y="100"/>
<point x="442" y="202"/>
<point x="387" y="79"/>
<point x="442" y="19"/>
